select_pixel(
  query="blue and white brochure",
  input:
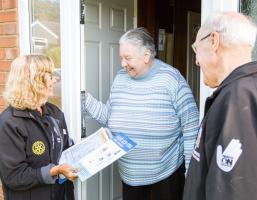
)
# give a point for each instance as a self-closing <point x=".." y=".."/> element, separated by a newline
<point x="104" y="150"/>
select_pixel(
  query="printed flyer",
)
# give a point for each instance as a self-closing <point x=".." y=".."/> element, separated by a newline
<point x="96" y="152"/>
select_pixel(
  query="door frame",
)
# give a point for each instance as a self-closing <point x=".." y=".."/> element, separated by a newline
<point x="71" y="62"/>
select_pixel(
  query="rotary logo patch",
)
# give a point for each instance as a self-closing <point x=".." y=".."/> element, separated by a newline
<point x="38" y="148"/>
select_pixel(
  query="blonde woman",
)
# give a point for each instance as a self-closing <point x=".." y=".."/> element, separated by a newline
<point x="33" y="134"/>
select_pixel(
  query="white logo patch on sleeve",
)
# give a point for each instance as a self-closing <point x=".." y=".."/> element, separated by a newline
<point x="227" y="159"/>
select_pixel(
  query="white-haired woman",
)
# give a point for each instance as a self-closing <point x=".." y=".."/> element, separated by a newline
<point x="33" y="134"/>
<point x="152" y="103"/>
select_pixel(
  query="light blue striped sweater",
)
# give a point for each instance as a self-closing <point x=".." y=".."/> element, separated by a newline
<point x="159" y="113"/>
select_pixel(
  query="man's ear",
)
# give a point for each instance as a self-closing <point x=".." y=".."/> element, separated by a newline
<point x="215" y="41"/>
<point x="147" y="56"/>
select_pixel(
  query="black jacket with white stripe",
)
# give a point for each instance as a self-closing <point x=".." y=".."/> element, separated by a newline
<point x="224" y="163"/>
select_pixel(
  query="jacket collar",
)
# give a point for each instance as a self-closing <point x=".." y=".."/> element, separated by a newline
<point x="240" y="72"/>
<point x="27" y="113"/>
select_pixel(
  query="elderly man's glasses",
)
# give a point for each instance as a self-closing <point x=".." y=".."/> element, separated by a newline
<point x="194" y="46"/>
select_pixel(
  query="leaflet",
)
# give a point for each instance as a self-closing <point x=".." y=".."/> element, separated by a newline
<point x="96" y="152"/>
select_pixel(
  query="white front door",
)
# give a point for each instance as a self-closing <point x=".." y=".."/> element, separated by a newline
<point x="105" y="22"/>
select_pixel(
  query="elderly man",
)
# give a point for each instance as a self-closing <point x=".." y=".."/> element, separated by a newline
<point x="224" y="160"/>
<point x="151" y="102"/>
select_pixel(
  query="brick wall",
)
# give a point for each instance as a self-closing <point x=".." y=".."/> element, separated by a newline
<point x="8" y="44"/>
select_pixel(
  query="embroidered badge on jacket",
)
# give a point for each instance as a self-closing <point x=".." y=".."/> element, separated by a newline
<point x="38" y="148"/>
<point x="227" y="159"/>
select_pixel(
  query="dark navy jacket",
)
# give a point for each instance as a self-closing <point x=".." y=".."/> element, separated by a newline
<point x="29" y="146"/>
<point x="224" y="163"/>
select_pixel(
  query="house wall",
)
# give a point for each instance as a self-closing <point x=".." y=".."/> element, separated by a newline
<point x="9" y="44"/>
<point x="8" y="40"/>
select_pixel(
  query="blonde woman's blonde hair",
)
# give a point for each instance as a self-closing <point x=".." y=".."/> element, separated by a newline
<point x="26" y="84"/>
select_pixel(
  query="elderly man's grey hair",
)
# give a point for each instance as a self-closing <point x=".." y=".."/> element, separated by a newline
<point x="140" y="37"/>
<point x="234" y="28"/>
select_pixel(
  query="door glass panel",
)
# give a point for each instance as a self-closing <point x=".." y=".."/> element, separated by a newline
<point x="249" y="8"/>
<point x="45" y="37"/>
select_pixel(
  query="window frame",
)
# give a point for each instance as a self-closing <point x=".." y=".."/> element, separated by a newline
<point x="24" y="30"/>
